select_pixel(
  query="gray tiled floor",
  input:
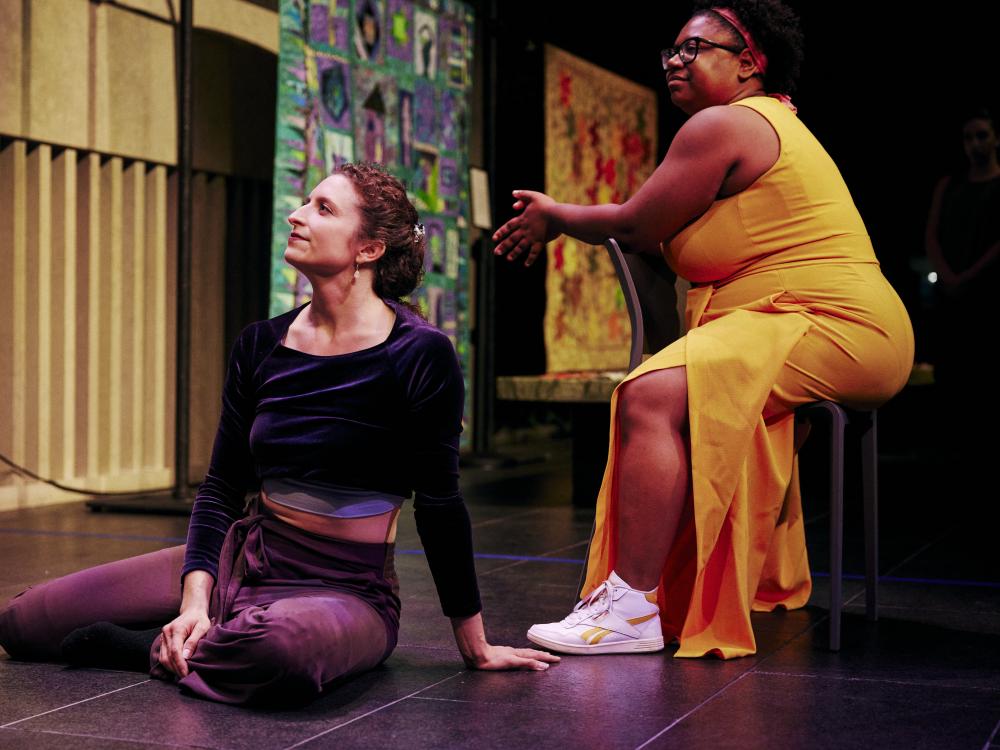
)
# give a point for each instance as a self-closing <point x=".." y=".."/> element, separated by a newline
<point x="926" y="675"/>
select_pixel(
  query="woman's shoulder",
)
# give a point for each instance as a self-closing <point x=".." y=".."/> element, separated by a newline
<point x="415" y="332"/>
<point x="264" y="335"/>
<point x="275" y="327"/>
<point x="724" y="126"/>
<point x="420" y="352"/>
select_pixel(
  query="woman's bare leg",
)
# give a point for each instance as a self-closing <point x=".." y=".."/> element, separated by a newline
<point x="653" y="472"/>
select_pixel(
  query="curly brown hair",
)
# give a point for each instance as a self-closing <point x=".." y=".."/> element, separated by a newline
<point x="388" y="216"/>
<point x="776" y="30"/>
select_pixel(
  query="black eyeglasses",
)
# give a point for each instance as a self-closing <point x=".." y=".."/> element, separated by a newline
<point x="688" y="50"/>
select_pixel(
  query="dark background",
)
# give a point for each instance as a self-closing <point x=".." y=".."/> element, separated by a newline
<point x="884" y="91"/>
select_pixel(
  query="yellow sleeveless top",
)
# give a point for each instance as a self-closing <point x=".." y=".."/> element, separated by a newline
<point x="797" y="213"/>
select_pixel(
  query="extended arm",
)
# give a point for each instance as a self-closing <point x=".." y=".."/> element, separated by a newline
<point x="703" y="153"/>
<point x="437" y="396"/>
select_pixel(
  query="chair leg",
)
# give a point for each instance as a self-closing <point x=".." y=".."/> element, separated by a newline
<point x="869" y="479"/>
<point x="838" y="422"/>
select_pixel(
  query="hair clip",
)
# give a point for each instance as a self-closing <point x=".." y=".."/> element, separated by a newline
<point x="418" y="231"/>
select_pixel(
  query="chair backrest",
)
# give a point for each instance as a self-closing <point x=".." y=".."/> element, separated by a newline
<point x="650" y="297"/>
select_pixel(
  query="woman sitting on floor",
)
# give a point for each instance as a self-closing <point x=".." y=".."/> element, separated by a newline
<point x="333" y="412"/>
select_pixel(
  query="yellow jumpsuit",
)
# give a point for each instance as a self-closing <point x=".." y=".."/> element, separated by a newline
<point x="789" y="307"/>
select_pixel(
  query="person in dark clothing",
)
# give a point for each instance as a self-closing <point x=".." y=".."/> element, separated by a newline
<point x="963" y="245"/>
<point x="332" y="414"/>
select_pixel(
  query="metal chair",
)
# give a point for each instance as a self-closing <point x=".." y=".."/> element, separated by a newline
<point x="642" y="279"/>
<point x="650" y="298"/>
<point x="863" y="424"/>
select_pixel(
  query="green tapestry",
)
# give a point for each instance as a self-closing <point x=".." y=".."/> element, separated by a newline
<point x="384" y="81"/>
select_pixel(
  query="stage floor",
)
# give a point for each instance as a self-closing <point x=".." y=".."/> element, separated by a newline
<point x="926" y="675"/>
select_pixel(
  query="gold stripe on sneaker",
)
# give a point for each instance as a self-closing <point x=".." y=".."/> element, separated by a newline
<point x="585" y="635"/>
<point x="640" y="620"/>
<point x="597" y="638"/>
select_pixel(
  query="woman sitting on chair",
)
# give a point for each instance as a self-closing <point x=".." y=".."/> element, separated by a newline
<point x="699" y="516"/>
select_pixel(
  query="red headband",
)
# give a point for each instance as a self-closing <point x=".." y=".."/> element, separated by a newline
<point x="758" y="57"/>
<point x="755" y="52"/>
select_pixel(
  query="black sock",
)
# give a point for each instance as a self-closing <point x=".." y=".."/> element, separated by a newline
<point x="111" y="646"/>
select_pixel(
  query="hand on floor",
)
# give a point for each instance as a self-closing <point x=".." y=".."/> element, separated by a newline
<point x="506" y="657"/>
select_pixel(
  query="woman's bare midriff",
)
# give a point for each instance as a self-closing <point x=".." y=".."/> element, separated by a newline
<point x="372" y="529"/>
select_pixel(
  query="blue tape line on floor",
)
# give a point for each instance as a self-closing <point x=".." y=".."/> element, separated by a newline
<point x="497" y="556"/>
<point x="96" y="535"/>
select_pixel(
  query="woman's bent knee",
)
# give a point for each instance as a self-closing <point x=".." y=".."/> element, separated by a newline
<point x="291" y="651"/>
<point x="656" y="400"/>
<point x="12" y="633"/>
<point x="317" y="640"/>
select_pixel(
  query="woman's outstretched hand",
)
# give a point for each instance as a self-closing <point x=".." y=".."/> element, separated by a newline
<point x="506" y="657"/>
<point x="528" y="231"/>
<point x="478" y="653"/>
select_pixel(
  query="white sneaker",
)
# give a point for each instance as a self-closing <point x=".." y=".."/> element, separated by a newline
<point x="613" y="619"/>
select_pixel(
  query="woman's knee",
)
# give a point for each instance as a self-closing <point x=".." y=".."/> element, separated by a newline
<point x="308" y="642"/>
<point x="29" y="628"/>
<point x="275" y="644"/>
<point x="12" y="635"/>
<point x="656" y="400"/>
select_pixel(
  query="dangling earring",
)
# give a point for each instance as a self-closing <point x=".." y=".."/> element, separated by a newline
<point x="357" y="272"/>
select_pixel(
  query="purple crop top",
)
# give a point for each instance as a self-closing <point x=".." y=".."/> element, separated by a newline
<point x="384" y="420"/>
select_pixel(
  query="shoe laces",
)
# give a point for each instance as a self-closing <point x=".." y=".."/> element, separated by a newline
<point x="596" y="602"/>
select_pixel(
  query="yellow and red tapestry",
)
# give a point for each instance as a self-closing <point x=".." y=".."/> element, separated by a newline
<point x="600" y="146"/>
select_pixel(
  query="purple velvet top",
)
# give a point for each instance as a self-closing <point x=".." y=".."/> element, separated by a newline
<point x="386" y="418"/>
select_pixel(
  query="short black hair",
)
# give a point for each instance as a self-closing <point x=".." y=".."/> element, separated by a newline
<point x="775" y="30"/>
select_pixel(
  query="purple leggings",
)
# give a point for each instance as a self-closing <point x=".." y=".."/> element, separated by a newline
<point x="291" y="611"/>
